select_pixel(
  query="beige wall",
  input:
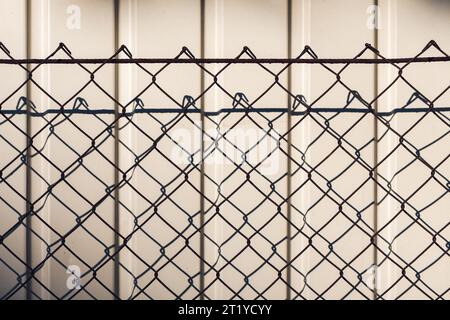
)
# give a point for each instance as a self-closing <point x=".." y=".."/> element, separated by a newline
<point x="334" y="29"/>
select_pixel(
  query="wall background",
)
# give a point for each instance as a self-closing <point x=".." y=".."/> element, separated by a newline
<point x="92" y="29"/>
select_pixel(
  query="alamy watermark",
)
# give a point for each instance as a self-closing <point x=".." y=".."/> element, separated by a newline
<point x="372" y="21"/>
<point x="73" y="21"/>
<point x="73" y="281"/>
<point x="255" y="147"/>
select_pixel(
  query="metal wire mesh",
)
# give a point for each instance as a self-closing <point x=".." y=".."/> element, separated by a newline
<point x="310" y="230"/>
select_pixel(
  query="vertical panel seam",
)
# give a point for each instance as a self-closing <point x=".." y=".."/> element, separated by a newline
<point x="116" y="267"/>
<point x="202" y="166"/>
<point x="289" y="153"/>
<point x="375" y="159"/>
<point x="28" y="234"/>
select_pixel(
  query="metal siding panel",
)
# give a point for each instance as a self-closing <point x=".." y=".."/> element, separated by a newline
<point x="160" y="29"/>
<point x="57" y="213"/>
<point x="12" y="144"/>
<point x="236" y="249"/>
<point x="332" y="29"/>
<point x="405" y="29"/>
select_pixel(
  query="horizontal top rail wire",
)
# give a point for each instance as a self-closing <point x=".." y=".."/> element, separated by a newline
<point x="252" y="59"/>
<point x="226" y="60"/>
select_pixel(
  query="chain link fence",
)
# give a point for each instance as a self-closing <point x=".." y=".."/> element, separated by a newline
<point x="195" y="188"/>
